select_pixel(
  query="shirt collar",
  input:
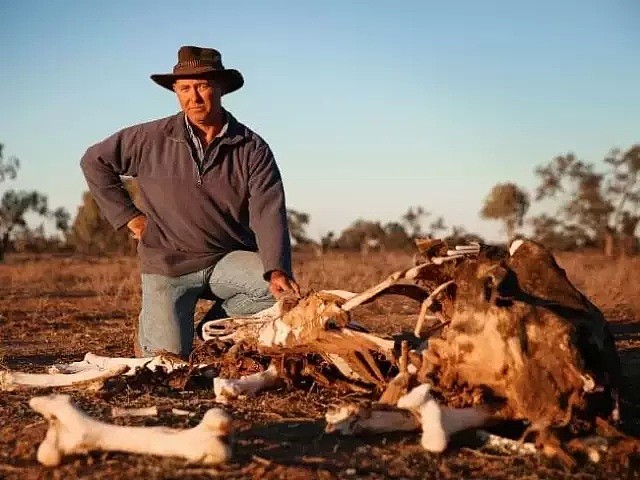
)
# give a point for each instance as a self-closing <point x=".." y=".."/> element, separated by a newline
<point x="196" y="141"/>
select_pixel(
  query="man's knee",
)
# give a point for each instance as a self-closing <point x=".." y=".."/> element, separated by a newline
<point x="239" y="272"/>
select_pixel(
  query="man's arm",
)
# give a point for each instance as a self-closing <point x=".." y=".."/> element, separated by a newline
<point x="268" y="213"/>
<point x="103" y="164"/>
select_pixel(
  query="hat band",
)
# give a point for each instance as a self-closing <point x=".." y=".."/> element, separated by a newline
<point x="189" y="64"/>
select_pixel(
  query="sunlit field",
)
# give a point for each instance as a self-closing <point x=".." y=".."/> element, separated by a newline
<point x="57" y="308"/>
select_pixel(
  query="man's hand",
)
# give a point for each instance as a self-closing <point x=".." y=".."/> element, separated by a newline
<point x="137" y="225"/>
<point x="280" y="284"/>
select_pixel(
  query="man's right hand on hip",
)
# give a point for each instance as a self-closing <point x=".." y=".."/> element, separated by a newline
<point x="137" y="225"/>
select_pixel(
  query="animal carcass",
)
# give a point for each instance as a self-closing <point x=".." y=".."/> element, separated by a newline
<point x="524" y="340"/>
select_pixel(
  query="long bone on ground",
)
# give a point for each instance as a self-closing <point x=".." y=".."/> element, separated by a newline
<point x="92" y="361"/>
<point x="71" y="431"/>
<point x="415" y="410"/>
<point x="227" y="389"/>
<point x="90" y="373"/>
<point x="90" y="378"/>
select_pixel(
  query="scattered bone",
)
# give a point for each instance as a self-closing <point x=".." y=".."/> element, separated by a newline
<point x="71" y="431"/>
<point x="93" y="361"/>
<point x="472" y="247"/>
<point x="414" y="410"/>
<point x="515" y="245"/>
<point x="486" y="345"/>
<point x="440" y="422"/>
<point x="594" y="447"/>
<point x="503" y="444"/>
<point x="90" y="379"/>
<point x="399" y="385"/>
<point x="354" y="420"/>
<point x="227" y="389"/>
<point x="153" y="411"/>
<point x="427" y="304"/>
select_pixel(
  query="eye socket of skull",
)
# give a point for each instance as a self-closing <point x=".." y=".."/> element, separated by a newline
<point x="498" y="282"/>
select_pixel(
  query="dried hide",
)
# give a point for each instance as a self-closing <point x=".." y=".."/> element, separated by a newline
<point x="524" y="340"/>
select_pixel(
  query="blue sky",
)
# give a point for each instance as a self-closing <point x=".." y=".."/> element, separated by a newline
<point x="369" y="106"/>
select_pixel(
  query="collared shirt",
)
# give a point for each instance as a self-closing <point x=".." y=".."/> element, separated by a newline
<point x="196" y="145"/>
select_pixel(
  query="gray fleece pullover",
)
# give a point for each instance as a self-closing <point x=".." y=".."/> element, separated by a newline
<point x="196" y="213"/>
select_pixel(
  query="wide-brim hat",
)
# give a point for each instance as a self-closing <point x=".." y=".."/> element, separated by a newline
<point x="198" y="62"/>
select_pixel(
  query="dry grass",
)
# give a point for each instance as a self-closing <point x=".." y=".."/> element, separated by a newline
<point x="58" y="308"/>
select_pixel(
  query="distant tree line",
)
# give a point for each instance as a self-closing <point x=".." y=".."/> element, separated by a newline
<point x="593" y="208"/>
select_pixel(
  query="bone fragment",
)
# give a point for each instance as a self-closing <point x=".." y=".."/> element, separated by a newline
<point x="473" y="247"/>
<point x="344" y="294"/>
<point x="515" y="245"/>
<point x="415" y="409"/>
<point x="399" y="385"/>
<point x="343" y="366"/>
<point x="227" y="389"/>
<point x="91" y="378"/>
<point x="426" y="304"/>
<point x="502" y="444"/>
<point x="147" y="412"/>
<point x="354" y="420"/>
<point x="439" y="422"/>
<point x="71" y="431"/>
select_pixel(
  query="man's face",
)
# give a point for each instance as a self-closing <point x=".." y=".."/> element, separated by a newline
<point x="199" y="99"/>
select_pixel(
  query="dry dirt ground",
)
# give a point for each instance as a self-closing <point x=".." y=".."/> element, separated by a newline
<point x="58" y="308"/>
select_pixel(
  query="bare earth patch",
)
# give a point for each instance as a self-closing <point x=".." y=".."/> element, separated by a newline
<point x="57" y="309"/>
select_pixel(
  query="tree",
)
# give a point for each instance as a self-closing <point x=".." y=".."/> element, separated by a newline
<point x="623" y="183"/>
<point x="327" y="241"/>
<point x="459" y="236"/>
<point x="9" y="167"/>
<point x="413" y="220"/>
<point x="298" y="222"/>
<point x="14" y="205"/>
<point x="623" y="189"/>
<point x="91" y="233"/>
<point x="506" y="202"/>
<point x="61" y="218"/>
<point x="584" y="207"/>
<point x="352" y="237"/>
<point x="437" y="226"/>
<point x="396" y="237"/>
<point x="554" y="233"/>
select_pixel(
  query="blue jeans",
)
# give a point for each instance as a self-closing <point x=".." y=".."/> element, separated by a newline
<point x="168" y="303"/>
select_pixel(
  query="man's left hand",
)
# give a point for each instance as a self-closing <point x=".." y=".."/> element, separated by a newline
<point x="280" y="284"/>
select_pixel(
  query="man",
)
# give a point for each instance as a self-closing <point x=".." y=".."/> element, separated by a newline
<point x="212" y="221"/>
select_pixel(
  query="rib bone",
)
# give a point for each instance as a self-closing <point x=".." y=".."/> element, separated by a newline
<point x="91" y="378"/>
<point x="394" y="278"/>
<point x="71" y="431"/>
<point x="426" y="304"/>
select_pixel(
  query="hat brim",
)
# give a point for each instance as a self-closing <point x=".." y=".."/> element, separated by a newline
<point x="229" y="79"/>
